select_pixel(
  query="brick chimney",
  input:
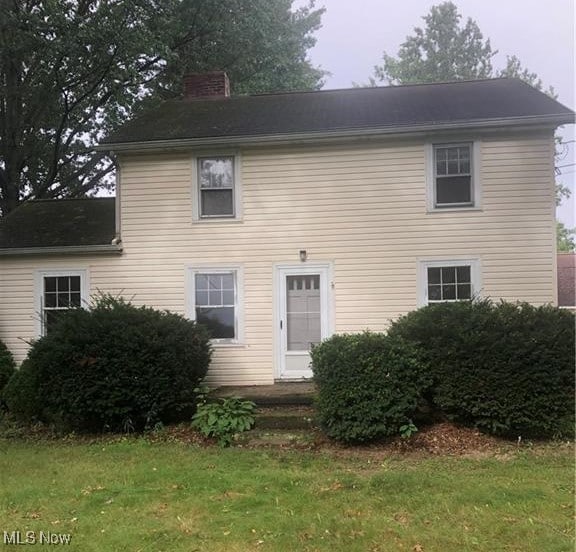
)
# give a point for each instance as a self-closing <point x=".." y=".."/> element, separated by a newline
<point x="200" y="86"/>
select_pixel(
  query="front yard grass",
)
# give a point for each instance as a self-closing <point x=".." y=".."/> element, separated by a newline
<point x="135" y="495"/>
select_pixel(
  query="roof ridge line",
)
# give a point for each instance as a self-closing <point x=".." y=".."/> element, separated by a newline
<point x="358" y="88"/>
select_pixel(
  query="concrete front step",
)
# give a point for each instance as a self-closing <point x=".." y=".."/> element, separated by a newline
<point x="285" y="417"/>
<point x="276" y="438"/>
<point x="282" y="393"/>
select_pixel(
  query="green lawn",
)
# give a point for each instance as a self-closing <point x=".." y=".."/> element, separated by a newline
<point x="140" y="496"/>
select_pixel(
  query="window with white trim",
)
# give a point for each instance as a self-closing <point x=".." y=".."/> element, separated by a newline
<point x="453" y="175"/>
<point x="59" y="292"/>
<point x="216" y="178"/>
<point x="449" y="281"/>
<point x="215" y="302"/>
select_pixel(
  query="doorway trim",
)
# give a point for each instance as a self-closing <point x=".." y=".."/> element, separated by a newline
<point x="281" y="270"/>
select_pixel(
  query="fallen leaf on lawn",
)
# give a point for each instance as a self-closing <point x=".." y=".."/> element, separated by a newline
<point x="336" y="486"/>
<point x="89" y="490"/>
<point x="401" y="518"/>
<point x="418" y="548"/>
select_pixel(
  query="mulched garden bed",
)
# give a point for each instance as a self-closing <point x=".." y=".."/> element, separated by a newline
<point x="440" y="439"/>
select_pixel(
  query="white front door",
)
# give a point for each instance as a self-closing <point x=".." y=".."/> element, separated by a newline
<point x="303" y="316"/>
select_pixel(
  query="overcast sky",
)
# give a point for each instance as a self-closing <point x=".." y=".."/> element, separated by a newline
<point x="540" y="32"/>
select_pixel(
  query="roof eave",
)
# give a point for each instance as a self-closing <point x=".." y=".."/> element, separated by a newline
<point x="63" y="250"/>
<point x="544" y="121"/>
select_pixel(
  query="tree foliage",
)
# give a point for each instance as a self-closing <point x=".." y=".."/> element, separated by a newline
<point x="565" y="237"/>
<point x="515" y="70"/>
<point x="262" y="45"/>
<point x="72" y="71"/>
<point x="69" y="72"/>
<point x="445" y="50"/>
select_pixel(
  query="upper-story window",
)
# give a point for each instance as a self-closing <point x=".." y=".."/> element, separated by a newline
<point x="216" y="187"/>
<point x="453" y="175"/>
<point x="454" y="180"/>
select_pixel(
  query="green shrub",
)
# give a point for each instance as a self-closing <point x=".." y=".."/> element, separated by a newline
<point x="21" y="395"/>
<point x="507" y="369"/>
<point x="114" y="367"/>
<point x="224" y="419"/>
<point x="7" y="366"/>
<point x="368" y="386"/>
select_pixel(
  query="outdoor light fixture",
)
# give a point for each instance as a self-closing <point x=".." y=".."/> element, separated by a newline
<point x="303" y="255"/>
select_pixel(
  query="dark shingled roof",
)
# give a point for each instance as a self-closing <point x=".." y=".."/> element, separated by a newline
<point x="567" y="279"/>
<point x="59" y="223"/>
<point x="393" y="107"/>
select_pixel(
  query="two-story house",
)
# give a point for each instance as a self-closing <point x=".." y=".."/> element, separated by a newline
<point x="279" y="219"/>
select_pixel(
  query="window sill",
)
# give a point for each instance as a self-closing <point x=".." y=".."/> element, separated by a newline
<point x="452" y="210"/>
<point x="227" y="345"/>
<point x="224" y="220"/>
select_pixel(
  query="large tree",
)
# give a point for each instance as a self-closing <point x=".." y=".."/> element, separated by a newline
<point x="261" y="44"/>
<point x="444" y="50"/>
<point x="71" y="71"/>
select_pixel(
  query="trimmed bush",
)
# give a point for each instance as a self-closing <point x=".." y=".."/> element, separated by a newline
<point x="7" y="366"/>
<point x="114" y="367"/>
<point x="369" y="385"/>
<point x="506" y="368"/>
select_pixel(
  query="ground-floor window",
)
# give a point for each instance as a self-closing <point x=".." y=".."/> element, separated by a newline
<point x="57" y="293"/>
<point x="450" y="280"/>
<point x="215" y="301"/>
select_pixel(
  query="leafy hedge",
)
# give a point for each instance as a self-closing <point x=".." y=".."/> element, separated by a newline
<point x="7" y="366"/>
<point x="114" y="367"/>
<point x="368" y="385"/>
<point x="505" y="368"/>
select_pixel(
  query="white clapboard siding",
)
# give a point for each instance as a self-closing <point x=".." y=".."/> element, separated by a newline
<point x="361" y="207"/>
